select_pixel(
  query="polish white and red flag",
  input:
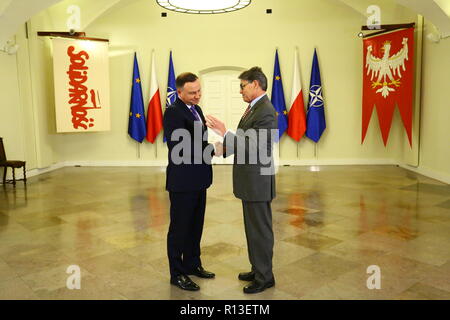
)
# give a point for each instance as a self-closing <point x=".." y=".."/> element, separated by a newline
<point x="154" y="113"/>
<point x="297" y="118"/>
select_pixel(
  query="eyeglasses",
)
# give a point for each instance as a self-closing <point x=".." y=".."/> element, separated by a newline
<point x="243" y="86"/>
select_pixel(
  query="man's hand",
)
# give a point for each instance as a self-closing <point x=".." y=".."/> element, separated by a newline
<point x="216" y="125"/>
<point x="218" y="149"/>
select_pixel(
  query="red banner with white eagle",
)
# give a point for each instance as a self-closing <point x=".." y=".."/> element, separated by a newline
<point x="388" y="80"/>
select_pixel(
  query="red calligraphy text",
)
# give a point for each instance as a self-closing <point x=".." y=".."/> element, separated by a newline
<point x="78" y="92"/>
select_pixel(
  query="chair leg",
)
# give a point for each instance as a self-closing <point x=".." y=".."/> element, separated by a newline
<point x="14" y="176"/>
<point x="4" y="175"/>
<point x="24" y="175"/>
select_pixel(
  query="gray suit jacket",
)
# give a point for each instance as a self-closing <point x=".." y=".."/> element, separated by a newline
<point x="253" y="167"/>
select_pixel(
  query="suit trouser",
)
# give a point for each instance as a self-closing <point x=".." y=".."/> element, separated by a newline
<point x="260" y="241"/>
<point x="187" y="213"/>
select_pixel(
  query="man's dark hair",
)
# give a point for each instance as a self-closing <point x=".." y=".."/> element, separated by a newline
<point x="253" y="74"/>
<point x="183" y="78"/>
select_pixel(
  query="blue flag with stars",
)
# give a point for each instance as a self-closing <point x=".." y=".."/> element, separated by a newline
<point x="315" y="118"/>
<point x="278" y="98"/>
<point x="137" y="127"/>
<point x="171" y="88"/>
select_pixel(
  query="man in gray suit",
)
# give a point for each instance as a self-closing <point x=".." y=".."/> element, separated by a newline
<point x="253" y="174"/>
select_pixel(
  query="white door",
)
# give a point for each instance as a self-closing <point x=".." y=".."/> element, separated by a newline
<point x="221" y="98"/>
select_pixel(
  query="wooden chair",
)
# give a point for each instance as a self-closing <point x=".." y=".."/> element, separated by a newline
<point x="13" y="164"/>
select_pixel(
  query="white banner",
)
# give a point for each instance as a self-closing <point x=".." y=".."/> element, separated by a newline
<point x="81" y="75"/>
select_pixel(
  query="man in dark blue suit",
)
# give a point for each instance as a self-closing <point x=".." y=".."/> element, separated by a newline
<point x="189" y="174"/>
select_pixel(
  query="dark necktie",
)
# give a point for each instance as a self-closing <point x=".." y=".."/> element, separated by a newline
<point x="196" y="115"/>
<point x="194" y="112"/>
<point x="246" y="112"/>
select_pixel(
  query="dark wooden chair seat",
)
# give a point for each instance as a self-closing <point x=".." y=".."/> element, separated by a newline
<point x="13" y="164"/>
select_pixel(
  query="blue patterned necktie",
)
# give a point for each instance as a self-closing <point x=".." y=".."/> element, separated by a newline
<point x="196" y="115"/>
<point x="194" y="112"/>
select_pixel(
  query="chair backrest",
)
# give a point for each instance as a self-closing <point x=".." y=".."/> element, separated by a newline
<point x="2" y="151"/>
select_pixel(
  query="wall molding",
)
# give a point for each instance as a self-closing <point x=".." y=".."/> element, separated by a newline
<point x="38" y="171"/>
<point x="430" y="173"/>
<point x="332" y="162"/>
<point x="111" y="163"/>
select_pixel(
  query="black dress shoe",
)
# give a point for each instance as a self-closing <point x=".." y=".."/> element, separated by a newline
<point x="247" y="276"/>
<point x="202" y="273"/>
<point x="184" y="282"/>
<point x="256" y="287"/>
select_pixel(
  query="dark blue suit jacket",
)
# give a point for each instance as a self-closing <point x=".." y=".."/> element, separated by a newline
<point x="195" y="172"/>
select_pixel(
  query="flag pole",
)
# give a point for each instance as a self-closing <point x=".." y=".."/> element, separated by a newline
<point x="296" y="52"/>
<point x="315" y="150"/>
<point x="279" y="148"/>
<point x="139" y="151"/>
<point x="156" y="140"/>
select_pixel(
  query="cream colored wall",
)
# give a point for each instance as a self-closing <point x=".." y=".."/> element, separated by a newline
<point x="243" y="39"/>
<point x="11" y="125"/>
<point x="37" y="90"/>
<point x="26" y="101"/>
<point x="29" y="91"/>
<point x="435" y="118"/>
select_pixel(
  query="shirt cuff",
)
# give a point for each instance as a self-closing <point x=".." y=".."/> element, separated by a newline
<point x="227" y="133"/>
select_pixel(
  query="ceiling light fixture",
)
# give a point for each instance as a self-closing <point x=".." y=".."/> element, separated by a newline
<point x="203" y="6"/>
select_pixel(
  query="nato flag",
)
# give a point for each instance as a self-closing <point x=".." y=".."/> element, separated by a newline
<point x="278" y="98"/>
<point x="315" y="119"/>
<point x="137" y="128"/>
<point x="171" y="88"/>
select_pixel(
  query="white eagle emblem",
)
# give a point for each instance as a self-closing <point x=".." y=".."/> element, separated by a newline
<point x="387" y="67"/>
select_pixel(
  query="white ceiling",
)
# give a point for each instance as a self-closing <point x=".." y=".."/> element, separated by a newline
<point x="445" y="6"/>
<point x="432" y="10"/>
<point x="15" y="13"/>
<point x="3" y="5"/>
<point x="435" y="11"/>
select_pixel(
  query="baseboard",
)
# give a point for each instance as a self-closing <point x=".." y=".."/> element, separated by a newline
<point x="161" y="163"/>
<point x="442" y="177"/>
<point x="35" y="172"/>
<point x="332" y="162"/>
<point x="137" y="163"/>
<point x="59" y="165"/>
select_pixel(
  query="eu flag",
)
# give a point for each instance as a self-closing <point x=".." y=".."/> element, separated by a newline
<point x="136" y="124"/>
<point x="278" y="98"/>
<point x="315" y="119"/>
<point x="171" y="88"/>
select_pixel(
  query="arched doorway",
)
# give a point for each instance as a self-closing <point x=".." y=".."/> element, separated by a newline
<point x="221" y="98"/>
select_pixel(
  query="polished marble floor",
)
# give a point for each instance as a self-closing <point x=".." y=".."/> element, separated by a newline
<point x="330" y="226"/>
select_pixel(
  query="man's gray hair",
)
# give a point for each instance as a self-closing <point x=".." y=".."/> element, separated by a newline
<point x="253" y="74"/>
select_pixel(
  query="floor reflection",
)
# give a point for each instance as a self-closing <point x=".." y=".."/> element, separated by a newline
<point x="329" y="226"/>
